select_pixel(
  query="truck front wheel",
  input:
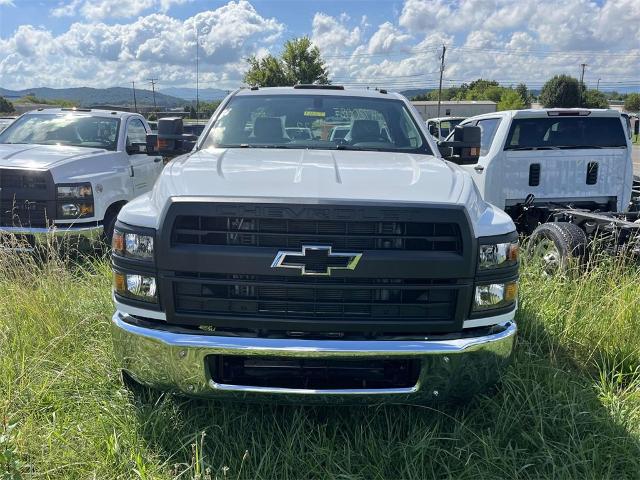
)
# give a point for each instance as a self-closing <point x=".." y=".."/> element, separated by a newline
<point x="555" y="244"/>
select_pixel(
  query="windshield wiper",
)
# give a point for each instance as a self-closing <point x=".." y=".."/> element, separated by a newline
<point x="577" y="147"/>
<point x="252" y="145"/>
<point x="362" y="149"/>
<point x="544" y="147"/>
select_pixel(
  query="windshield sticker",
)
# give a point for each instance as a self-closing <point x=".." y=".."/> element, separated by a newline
<point x="311" y="113"/>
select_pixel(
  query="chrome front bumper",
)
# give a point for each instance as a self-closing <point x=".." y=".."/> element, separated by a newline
<point x="26" y="238"/>
<point x="174" y="359"/>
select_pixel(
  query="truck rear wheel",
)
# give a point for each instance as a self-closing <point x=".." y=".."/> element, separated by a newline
<point x="555" y="244"/>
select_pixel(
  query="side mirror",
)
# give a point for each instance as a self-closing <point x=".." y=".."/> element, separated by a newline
<point x="137" y="148"/>
<point x="171" y="139"/>
<point x="152" y="144"/>
<point x="433" y="130"/>
<point x="465" y="147"/>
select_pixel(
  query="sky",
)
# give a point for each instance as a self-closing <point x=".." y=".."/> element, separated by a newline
<point x="385" y="43"/>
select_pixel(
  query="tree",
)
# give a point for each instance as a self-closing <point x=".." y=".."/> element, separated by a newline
<point x="511" y="100"/>
<point x="303" y="62"/>
<point x="6" y="106"/>
<point x="561" y="91"/>
<point x="267" y="71"/>
<point x="525" y="94"/>
<point x="595" y="99"/>
<point x="632" y="102"/>
<point x="300" y="62"/>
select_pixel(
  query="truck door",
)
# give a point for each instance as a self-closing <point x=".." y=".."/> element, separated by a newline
<point x="143" y="168"/>
<point x="478" y="171"/>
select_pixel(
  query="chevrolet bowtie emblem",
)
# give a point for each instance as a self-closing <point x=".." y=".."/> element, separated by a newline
<point x="316" y="260"/>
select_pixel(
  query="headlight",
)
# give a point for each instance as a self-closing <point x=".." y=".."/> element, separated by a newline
<point x="132" y="245"/>
<point x="74" y="201"/>
<point x="494" y="295"/>
<point x="75" y="191"/>
<point x="496" y="255"/>
<point x="137" y="287"/>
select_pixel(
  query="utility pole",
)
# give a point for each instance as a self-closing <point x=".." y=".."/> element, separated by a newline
<point x="583" y="65"/>
<point x="598" y="85"/>
<point x="135" y="104"/>
<point x="153" y="89"/>
<point x="444" y="49"/>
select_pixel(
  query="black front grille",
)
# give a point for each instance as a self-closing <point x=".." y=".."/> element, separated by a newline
<point x="23" y="213"/>
<point x="26" y="198"/>
<point x="318" y="298"/>
<point x="218" y="267"/>
<point x="20" y="180"/>
<point x="292" y="233"/>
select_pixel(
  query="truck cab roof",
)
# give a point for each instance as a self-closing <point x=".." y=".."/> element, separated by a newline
<point x="328" y="90"/>
<point x="84" y="111"/>
<point x="548" y="112"/>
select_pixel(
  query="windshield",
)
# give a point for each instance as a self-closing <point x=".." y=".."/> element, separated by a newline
<point x="565" y="133"/>
<point x="447" y="126"/>
<point x="63" y="129"/>
<point x="317" y="122"/>
<point x="4" y="123"/>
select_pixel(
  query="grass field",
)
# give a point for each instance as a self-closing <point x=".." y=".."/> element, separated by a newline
<point x="569" y="407"/>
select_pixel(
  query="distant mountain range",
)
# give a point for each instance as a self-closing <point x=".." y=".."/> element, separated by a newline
<point x="87" y="97"/>
<point x="206" y="94"/>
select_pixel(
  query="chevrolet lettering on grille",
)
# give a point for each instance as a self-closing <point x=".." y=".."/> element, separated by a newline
<point x="316" y="260"/>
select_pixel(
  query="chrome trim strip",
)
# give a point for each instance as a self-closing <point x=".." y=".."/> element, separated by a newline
<point x="307" y="391"/>
<point x="139" y="312"/>
<point x="44" y="235"/>
<point x="489" y="321"/>
<point x="57" y="230"/>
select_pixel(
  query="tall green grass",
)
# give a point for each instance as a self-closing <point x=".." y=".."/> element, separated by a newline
<point x="569" y="406"/>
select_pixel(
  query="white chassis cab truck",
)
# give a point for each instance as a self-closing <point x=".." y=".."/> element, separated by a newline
<point x="68" y="172"/>
<point x="563" y="175"/>
<point x="263" y="266"/>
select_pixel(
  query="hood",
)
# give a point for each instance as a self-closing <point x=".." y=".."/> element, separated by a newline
<point x="40" y="156"/>
<point x="321" y="174"/>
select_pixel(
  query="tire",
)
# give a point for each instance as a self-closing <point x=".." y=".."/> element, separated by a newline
<point x="556" y="244"/>
<point x="109" y="225"/>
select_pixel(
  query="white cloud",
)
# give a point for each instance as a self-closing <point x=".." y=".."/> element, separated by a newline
<point x="508" y="40"/>
<point x="66" y="9"/>
<point x="386" y="39"/>
<point x="99" y="54"/>
<point x="104" y="9"/>
<point x="99" y="9"/>
<point x="331" y="34"/>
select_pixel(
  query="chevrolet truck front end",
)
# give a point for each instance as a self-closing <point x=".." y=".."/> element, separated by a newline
<point x="292" y="301"/>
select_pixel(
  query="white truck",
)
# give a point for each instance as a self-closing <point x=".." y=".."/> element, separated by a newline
<point x="563" y="175"/>
<point x="262" y="266"/>
<point x="440" y="128"/>
<point x="68" y="172"/>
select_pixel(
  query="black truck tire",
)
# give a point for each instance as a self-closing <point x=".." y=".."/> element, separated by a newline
<point x="555" y="244"/>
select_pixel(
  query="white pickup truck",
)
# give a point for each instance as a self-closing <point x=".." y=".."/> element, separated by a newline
<point x="365" y="268"/>
<point x="563" y="175"/>
<point x="70" y="171"/>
